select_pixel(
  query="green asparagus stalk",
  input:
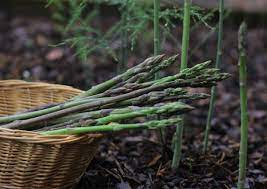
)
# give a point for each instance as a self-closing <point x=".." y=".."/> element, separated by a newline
<point x="92" y="105"/>
<point x="157" y="97"/>
<point x="168" y="108"/>
<point x="164" y="64"/>
<point x="31" y="114"/>
<point x="185" y="44"/>
<point x="113" y="127"/>
<point x="145" y="76"/>
<point x="124" y="37"/>
<point x="145" y="73"/>
<point x="213" y="89"/>
<point x="162" y="96"/>
<point x="146" y="99"/>
<point x="186" y="74"/>
<point x="118" y="115"/>
<point x="156" y="27"/>
<point x="243" y="106"/>
<point x="203" y="81"/>
<point x="186" y="32"/>
<point x="201" y="77"/>
<point x="157" y="48"/>
<point x="144" y="66"/>
<point x="189" y="73"/>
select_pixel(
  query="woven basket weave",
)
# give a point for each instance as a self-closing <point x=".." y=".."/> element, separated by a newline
<point x="29" y="160"/>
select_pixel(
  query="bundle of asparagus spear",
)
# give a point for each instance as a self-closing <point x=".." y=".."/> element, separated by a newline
<point x="115" y="104"/>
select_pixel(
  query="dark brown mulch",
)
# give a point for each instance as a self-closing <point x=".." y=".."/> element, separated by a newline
<point x="136" y="159"/>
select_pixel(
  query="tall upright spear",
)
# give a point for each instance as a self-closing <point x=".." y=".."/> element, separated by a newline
<point x="243" y="106"/>
<point x="213" y="89"/>
<point x="178" y="136"/>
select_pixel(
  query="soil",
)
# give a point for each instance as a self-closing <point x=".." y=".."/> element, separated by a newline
<point x="136" y="159"/>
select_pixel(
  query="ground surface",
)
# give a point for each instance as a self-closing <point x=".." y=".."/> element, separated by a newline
<point x="137" y="160"/>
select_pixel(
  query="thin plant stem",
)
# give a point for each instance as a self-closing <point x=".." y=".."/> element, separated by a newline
<point x="156" y="27"/>
<point x="185" y="44"/>
<point x="186" y="32"/>
<point x="217" y="65"/>
<point x="209" y="34"/>
<point x="243" y="107"/>
<point x="124" y="38"/>
<point x="156" y="30"/>
<point x="157" y="50"/>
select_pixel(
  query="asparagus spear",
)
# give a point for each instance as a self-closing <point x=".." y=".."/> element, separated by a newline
<point x="168" y="95"/>
<point x="209" y="77"/>
<point x="131" y="75"/>
<point x="198" y="82"/>
<point x="148" y="65"/>
<point x="130" y="85"/>
<point x="243" y="150"/>
<point x="113" y="127"/>
<point x="150" y="97"/>
<point x="145" y="99"/>
<point x="145" y="111"/>
<point x="117" y="115"/>
<point x="144" y="66"/>
<point x="160" y="96"/>
<point x="205" y="80"/>
<point x="145" y="76"/>
<point x="49" y="109"/>
<point x="198" y="76"/>
<point x="165" y="64"/>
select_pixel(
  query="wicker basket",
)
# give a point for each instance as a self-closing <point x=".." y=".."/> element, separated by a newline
<point x="29" y="160"/>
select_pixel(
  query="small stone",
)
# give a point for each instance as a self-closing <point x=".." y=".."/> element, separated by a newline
<point x="54" y="54"/>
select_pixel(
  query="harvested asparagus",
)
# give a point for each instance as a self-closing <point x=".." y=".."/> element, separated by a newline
<point x="129" y="88"/>
<point x="147" y="65"/>
<point x="118" y="115"/>
<point x="114" y="127"/>
<point x="92" y="105"/>
<point x="146" y="99"/>
<point x="145" y="76"/>
<point x="160" y="96"/>
<point x="208" y="78"/>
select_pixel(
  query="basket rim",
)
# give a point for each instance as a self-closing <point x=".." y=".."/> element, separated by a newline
<point x="35" y="137"/>
<point x="20" y="84"/>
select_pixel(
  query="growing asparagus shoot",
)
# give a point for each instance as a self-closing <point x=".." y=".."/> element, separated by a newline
<point x="178" y="136"/>
<point x="124" y="37"/>
<point x="217" y="65"/>
<point x="243" y="105"/>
